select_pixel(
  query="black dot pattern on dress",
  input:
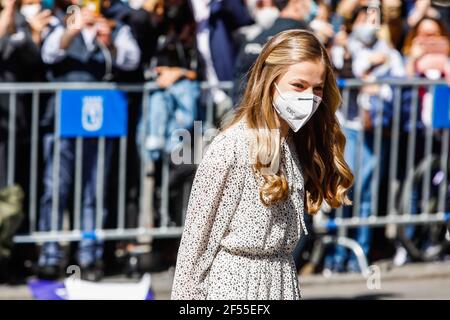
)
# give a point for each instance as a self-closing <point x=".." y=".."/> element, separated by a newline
<point x="233" y="246"/>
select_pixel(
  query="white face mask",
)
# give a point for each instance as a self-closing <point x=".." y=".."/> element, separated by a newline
<point x="266" y="16"/>
<point x="136" y="4"/>
<point x="30" y="10"/>
<point x="296" y="108"/>
<point x="366" y="33"/>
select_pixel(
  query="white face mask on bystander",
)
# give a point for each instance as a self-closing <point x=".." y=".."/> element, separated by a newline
<point x="265" y="17"/>
<point x="296" y="108"/>
<point x="30" y="10"/>
<point x="136" y="4"/>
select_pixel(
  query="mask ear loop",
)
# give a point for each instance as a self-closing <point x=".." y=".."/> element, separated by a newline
<point x="278" y="90"/>
<point x="317" y="100"/>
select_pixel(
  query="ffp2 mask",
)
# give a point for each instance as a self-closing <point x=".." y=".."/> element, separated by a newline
<point x="296" y="108"/>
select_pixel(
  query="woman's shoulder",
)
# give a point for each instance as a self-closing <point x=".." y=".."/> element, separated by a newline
<point x="235" y="132"/>
<point x="229" y="144"/>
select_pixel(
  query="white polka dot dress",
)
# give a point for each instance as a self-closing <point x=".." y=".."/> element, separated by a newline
<point x="234" y="247"/>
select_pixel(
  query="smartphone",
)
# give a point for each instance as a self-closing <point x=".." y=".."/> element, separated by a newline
<point x="437" y="44"/>
<point x="93" y="5"/>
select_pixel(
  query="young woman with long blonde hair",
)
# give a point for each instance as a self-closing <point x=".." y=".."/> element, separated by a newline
<point x="281" y="154"/>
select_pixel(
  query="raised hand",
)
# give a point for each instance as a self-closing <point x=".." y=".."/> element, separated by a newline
<point x="7" y="17"/>
<point x="104" y="31"/>
<point x="38" y="23"/>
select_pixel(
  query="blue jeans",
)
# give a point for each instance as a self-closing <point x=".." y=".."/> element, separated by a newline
<point x="89" y="250"/>
<point x="337" y="257"/>
<point x="168" y="110"/>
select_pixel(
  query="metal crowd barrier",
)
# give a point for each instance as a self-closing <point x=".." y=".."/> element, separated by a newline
<point x="398" y="211"/>
<point x="340" y="223"/>
<point x="121" y="231"/>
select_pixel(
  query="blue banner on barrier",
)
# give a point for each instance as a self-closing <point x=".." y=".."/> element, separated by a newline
<point x="441" y="107"/>
<point x="93" y="113"/>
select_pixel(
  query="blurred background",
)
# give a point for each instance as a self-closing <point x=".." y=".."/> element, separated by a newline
<point x="92" y="92"/>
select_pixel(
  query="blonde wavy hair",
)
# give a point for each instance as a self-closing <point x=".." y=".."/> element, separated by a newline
<point x="320" y="143"/>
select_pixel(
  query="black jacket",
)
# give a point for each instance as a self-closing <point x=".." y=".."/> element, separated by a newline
<point x="19" y="62"/>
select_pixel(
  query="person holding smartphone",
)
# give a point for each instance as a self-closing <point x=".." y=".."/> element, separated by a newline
<point x="427" y="48"/>
<point x="83" y="47"/>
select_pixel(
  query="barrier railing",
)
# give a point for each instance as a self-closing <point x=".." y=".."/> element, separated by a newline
<point x="36" y="90"/>
<point x="397" y="142"/>
<point x="409" y="128"/>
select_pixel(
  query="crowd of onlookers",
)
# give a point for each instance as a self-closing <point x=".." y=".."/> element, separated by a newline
<point x="179" y="44"/>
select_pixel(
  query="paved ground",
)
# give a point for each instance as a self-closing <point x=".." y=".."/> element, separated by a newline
<point x="413" y="281"/>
